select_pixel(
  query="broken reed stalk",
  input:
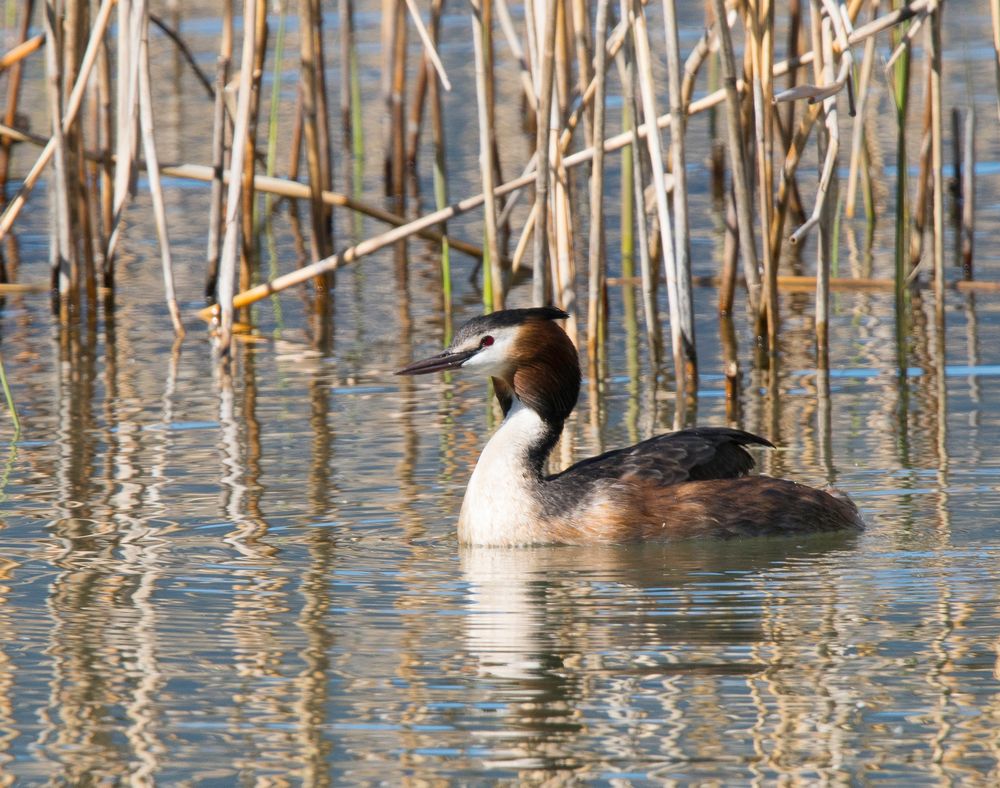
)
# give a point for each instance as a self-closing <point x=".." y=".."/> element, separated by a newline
<point x="596" y="252"/>
<point x="828" y="196"/>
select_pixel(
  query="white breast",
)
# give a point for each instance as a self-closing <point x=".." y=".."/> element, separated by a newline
<point x="500" y="506"/>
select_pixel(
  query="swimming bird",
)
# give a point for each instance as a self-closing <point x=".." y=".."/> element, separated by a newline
<point x="686" y="484"/>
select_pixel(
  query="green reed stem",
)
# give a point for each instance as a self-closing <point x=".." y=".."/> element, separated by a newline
<point x="10" y="400"/>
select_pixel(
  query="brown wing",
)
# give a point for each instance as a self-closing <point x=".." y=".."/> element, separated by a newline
<point x="688" y="455"/>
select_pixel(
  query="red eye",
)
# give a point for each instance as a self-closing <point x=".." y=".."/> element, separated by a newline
<point x="486" y="341"/>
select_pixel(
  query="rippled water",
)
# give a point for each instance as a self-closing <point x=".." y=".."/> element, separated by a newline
<point x="257" y="580"/>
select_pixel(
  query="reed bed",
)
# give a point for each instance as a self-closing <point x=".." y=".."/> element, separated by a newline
<point x="770" y="203"/>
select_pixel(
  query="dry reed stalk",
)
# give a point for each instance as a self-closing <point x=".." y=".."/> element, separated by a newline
<point x="595" y="250"/>
<point x="737" y="158"/>
<point x="321" y="240"/>
<point x="416" y="119"/>
<point x="248" y="247"/>
<point x="647" y="92"/>
<point x="730" y="257"/>
<point x="219" y="126"/>
<point x="345" y="10"/>
<point x="937" y="156"/>
<point x="397" y="181"/>
<point x="612" y="143"/>
<point x="13" y="94"/>
<point x="762" y="51"/>
<point x="17" y="53"/>
<point x="635" y="200"/>
<point x="786" y="179"/>
<point x="923" y="182"/>
<point x="514" y="42"/>
<point x="230" y="244"/>
<point x="68" y="117"/>
<point x="827" y="224"/>
<point x="493" y="286"/>
<point x="105" y="125"/>
<point x="682" y="240"/>
<point x="584" y="61"/>
<point x="969" y="193"/>
<point x="63" y="259"/>
<point x="995" y="19"/>
<point x="858" y="131"/>
<point x="153" y="167"/>
<point x="544" y="77"/>
<point x="440" y="172"/>
<point x="126" y="137"/>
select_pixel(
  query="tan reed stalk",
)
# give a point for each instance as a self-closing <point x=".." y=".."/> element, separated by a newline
<point x="995" y="19"/>
<point x="595" y="251"/>
<point x="398" y="146"/>
<point x="321" y="241"/>
<point x="21" y="51"/>
<point x="828" y="198"/>
<point x="730" y="257"/>
<point x="219" y="126"/>
<point x="786" y="178"/>
<point x="13" y="93"/>
<point x="153" y="166"/>
<point x="924" y="182"/>
<point x="545" y="75"/>
<point x="440" y="171"/>
<point x="75" y="25"/>
<point x="682" y="241"/>
<point x="762" y="58"/>
<point x="626" y="69"/>
<point x="514" y="42"/>
<point x="699" y="54"/>
<point x="63" y="259"/>
<point x="647" y="92"/>
<point x="793" y="40"/>
<point x="584" y="61"/>
<point x="612" y="143"/>
<point x="126" y="137"/>
<point x="937" y="157"/>
<point x="858" y="131"/>
<point x="493" y="282"/>
<point x="737" y="158"/>
<point x="230" y="244"/>
<point x="969" y="193"/>
<point x="73" y="104"/>
<point x="248" y="247"/>
<point x="416" y="118"/>
<point x="105" y="125"/>
<point x="345" y="12"/>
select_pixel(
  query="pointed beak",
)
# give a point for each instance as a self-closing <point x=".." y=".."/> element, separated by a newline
<point x="449" y="359"/>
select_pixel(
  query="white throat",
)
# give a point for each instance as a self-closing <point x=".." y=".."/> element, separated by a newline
<point x="501" y="506"/>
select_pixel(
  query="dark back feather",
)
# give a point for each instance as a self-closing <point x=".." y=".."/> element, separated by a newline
<point x="688" y="455"/>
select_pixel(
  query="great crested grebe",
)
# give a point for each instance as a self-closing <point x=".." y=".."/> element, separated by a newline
<point x="685" y="484"/>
